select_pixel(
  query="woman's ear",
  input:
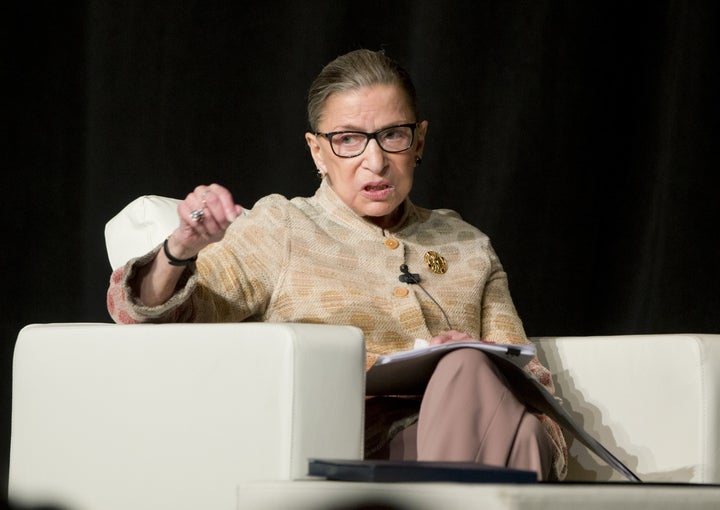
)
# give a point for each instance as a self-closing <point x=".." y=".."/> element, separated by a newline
<point x="315" y="151"/>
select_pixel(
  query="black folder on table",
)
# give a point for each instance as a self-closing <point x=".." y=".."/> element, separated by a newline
<point x="415" y="471"/>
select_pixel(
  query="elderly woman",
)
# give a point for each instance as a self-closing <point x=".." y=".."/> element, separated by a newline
<point x="354" y="253"/>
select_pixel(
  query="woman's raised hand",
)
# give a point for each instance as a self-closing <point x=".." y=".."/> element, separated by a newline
<point x="205" y="215"/>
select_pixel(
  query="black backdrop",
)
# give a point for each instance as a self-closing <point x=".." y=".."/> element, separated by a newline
<point x="581" y="136"/>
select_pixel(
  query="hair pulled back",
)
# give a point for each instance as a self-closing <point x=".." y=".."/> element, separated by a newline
<point x="353" y="71"/>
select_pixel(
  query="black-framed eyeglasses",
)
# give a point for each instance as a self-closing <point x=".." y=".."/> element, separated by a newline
<point x="349" y="144"/>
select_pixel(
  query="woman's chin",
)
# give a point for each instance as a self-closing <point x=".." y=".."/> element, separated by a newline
<point x="384" y="218"/>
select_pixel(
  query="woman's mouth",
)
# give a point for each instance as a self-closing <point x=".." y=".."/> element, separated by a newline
<point x="377" y="191"/>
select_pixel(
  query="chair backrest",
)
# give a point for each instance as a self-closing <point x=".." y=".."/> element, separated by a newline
<point x="139" y="227"/>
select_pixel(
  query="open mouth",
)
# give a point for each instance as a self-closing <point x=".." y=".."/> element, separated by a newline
<point x="378" y="192"/>
<point x="371" y="188"/>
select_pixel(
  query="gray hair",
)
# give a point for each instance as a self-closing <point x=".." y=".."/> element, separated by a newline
<point x="355" y="70"/>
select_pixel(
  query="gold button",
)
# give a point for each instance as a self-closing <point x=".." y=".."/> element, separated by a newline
<point x="391" y="243"/>
<point x="401" y="292"/>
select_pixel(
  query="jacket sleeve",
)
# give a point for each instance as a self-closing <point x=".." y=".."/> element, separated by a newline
<point x="124" y="305"/>
<point x="231" y="281"/>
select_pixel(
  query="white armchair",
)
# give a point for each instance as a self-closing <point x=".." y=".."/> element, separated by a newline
<point x="222" y="416"/>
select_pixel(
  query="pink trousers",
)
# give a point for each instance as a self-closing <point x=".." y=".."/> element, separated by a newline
<point x="468" y="414"/>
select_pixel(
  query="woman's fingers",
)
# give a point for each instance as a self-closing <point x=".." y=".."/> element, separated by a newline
<point x="205" y="215"/>
<point x="212" y="207"/>
<point x="218" y="204"/>
<point x="452" y="336"/>
<point x="222" y="202"/>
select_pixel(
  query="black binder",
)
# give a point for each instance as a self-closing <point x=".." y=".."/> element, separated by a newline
<point x="415" y="471"/>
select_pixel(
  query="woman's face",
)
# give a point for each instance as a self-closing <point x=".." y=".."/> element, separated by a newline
<point x="376" y="182"/>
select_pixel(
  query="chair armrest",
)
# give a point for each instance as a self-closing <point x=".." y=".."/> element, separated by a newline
<point x="176" y="415"/>
<point x="652" y="400"/>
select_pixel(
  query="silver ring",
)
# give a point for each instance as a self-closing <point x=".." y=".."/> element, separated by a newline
<point x="197" y="215"/>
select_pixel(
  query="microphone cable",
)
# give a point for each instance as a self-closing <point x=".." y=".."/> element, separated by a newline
<point x="414" y="278"/>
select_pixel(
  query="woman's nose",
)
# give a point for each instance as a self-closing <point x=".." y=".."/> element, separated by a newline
<point x="374" y="157"/>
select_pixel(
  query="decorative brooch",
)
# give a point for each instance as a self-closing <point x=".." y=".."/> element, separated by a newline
<point x="435" y="262"/>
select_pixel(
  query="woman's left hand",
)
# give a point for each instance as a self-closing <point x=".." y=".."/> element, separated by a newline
<point x="452" y="336"/>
